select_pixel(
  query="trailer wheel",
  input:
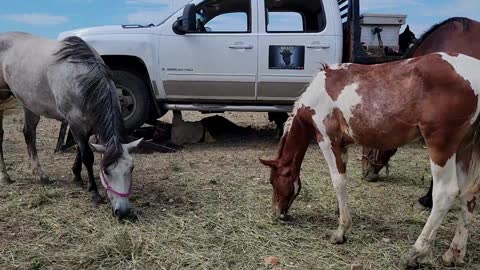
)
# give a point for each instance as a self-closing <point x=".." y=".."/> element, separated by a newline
<point x="134" y="98"/>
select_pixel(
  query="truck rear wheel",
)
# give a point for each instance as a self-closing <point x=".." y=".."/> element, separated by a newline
<point x="134" y="98"/>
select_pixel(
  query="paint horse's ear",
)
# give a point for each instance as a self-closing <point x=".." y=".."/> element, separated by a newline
<point x="98" y="148"/>
<point x="133" y="144"/>
<point x="269" y="163"/>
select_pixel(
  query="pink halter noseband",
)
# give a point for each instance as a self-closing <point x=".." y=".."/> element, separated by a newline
<point x="109" y="188"/>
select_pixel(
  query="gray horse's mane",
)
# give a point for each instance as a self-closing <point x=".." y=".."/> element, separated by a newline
<point x="99" y="96"/>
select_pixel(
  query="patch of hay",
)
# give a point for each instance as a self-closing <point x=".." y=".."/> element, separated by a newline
<point x="208" y="207"/>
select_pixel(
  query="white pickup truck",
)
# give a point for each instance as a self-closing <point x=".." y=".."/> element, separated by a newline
<point x="226" y="55"/>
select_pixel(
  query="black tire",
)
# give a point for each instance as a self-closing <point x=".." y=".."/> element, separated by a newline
<point x="134" y="98"/>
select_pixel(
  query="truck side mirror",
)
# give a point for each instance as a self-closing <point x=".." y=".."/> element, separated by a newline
<point x="187" y="23"/>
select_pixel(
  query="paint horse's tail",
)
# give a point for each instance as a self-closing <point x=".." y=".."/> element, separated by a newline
<point x="473" y="175"/>
<point x="472" y="146"/>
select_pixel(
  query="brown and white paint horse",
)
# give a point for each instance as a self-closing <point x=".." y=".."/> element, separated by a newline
<point x="458" y="34"/>
<point x="386" y="106"/>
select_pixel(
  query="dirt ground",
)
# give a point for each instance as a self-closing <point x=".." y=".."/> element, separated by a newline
<point x="208" y="207"/>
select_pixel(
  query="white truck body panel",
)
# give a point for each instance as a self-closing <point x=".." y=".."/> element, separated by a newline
<point x="221" y="67"/>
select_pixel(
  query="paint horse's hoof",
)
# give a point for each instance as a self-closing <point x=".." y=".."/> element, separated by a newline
<point x="453" y="257"/>
<point x="410" y="259"/>
<point x="337" y="238"/>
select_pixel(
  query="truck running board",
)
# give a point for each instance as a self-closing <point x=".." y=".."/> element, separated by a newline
<point x="216" y="108"/>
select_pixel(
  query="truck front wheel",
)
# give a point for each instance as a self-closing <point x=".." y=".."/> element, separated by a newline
<point x="134" y="98"/>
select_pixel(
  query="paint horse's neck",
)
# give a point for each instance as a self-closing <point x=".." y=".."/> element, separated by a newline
<point x="295" y="141"/>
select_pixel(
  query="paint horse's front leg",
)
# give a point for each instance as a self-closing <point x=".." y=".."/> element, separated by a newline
<point x="336" y="157"/>
<point x="30" y="133"/>
<point x="445" y="190"/>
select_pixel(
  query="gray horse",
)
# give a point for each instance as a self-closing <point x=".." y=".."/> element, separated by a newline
<point x="68" y="80"/>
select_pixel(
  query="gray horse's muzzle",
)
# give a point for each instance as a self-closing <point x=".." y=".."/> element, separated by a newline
<point x="121" y="208"/>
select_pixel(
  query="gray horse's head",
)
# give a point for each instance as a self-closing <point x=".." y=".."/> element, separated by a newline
<point x="117" y="178"/>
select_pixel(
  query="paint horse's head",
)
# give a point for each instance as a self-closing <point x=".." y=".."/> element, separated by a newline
<point x="116" y="177"/>
<point x="286" y="186"/>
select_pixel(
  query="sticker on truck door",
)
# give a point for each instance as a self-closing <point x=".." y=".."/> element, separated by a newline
<point x="286" y="57"/>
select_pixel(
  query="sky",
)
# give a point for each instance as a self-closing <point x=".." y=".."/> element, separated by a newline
<point x="50" y="17"/>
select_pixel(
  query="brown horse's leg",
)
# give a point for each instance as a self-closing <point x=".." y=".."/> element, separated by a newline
<point x="4" y="177"/>
<point x="426" y="200"/>
<point x="77" y="168"/>
<point x="30" y="133"/>
<point x="336" y="157"/>
<point x="445" y="190"/>
<point x="88" y="159"/>
<point x="85" y="156"/>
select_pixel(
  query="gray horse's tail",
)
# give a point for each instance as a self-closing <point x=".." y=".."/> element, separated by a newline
<point x="99" y="96"/>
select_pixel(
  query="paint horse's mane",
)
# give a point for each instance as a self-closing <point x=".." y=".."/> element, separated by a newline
<point x="465" y="22"/>
<point x="99" y="96"/>
<point x="288" y="124"/>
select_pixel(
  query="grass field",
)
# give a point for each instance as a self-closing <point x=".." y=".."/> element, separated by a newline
<point x="208" y="207"/>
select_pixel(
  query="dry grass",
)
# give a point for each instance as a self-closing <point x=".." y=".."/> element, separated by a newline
<point x="208" y="207"/>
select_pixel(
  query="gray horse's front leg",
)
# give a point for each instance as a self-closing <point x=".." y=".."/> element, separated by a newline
<point x="30" y="133"/>
<point x="88" y="159"/>
<point x="85" y="156"/>
<point x="4" y="177"/>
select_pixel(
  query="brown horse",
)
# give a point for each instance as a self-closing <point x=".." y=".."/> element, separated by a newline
<point x="457" y="34"/>
<point x="383" y="107"/>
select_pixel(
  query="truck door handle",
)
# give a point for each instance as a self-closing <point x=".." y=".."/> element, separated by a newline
<point x="240" y="47"/>
<point x="318" y="46"/>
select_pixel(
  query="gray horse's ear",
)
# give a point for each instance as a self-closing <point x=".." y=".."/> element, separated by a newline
<point x="98" y="148"/>
<point x="133" y="144"/>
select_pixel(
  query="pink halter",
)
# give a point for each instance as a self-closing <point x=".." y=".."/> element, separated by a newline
<point x="109" y="188"/>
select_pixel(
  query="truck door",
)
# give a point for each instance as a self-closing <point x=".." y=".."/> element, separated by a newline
<point x="219" y="60"/>
<point x="296" y="37"/>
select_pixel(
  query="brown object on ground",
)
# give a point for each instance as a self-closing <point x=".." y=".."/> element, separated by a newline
<point x="271" y="260"/>
<point x="356" y="266"/>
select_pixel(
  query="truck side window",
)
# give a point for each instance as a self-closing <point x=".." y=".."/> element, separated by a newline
<point x="228" y="22"/>
<point x="285" y="22"/>
<point x="305" y="16"/>
<point x="224" y="16"/>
